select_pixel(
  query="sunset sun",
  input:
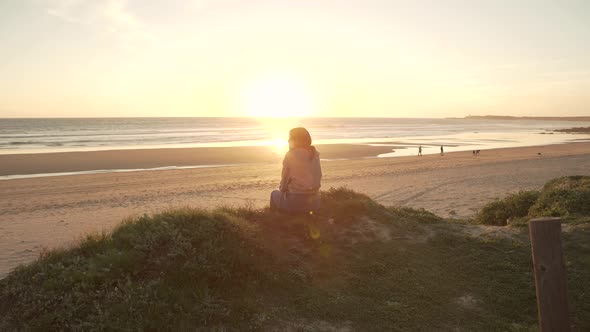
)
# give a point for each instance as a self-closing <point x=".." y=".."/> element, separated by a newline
<point x="277" y="97"/>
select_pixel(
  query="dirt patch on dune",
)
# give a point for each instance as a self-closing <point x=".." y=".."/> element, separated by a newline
<point x="316" y="325"/>
<point x="377" y="230"/>
<point x="368" y="229"/>
<point x="475" y="231"/>
<point x="466" y="301"/>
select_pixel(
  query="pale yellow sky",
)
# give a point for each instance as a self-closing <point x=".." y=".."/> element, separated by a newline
<point x="83" y="58"/>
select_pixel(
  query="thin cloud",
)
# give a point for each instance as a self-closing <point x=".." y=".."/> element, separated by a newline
<point x="112" y="16"/>
<point x="72" y="11"/>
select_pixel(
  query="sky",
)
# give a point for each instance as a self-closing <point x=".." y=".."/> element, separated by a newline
<point x="357" y="58"/>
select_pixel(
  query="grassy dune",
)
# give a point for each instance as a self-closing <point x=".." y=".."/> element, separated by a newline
<point x="567" y="197"/>
<point x="355" y="266"/>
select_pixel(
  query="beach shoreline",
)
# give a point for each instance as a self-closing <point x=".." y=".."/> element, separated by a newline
<point x="144" y="159"/>
<point x="49" y="212"/>
<point x="25" y="165"/>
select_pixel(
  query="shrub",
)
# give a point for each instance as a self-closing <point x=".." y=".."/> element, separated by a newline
<point x="494" y="213"/>
<point x="514" y="206"/>
<point x="561" y="197"/>
<point x="520" y="203"/>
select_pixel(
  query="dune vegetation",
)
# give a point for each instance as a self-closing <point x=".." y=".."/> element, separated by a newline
<point x="567" y="197"/>
<point x="356" y="265"/>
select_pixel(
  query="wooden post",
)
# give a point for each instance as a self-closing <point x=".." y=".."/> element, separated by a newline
<point x="550" y="278"/>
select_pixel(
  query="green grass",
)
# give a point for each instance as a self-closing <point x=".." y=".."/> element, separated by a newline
<point x="564" y="197"/>
<point x="567" y="197"/>
<point x="356" y="265"/>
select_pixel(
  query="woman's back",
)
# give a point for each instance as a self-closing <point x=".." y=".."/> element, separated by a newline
<point x="302" y="172"/>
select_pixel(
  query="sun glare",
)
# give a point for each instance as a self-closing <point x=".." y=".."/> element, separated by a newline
<point x="277" y="97"/>
<point x="279" y="145"/>
<point x="278" y="130"/>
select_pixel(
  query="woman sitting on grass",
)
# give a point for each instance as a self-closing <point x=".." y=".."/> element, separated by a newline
<point x="300" y="179"/>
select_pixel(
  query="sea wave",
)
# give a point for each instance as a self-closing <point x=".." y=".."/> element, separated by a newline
<point x="51" y="135"/>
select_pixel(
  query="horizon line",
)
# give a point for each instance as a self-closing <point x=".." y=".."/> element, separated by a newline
<point x="299" y="117"/>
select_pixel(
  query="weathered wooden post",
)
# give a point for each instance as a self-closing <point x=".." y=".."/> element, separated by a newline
<point x="550" y="278"/>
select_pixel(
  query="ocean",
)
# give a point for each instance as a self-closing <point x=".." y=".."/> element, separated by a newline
<point x="19" y="136"/>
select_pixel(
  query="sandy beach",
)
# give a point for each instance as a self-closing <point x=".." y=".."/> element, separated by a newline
<point x="48" y="212"/>
<point x="155" y="158"/>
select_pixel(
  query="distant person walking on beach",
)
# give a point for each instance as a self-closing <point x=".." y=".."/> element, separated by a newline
<point x="442" y="151"/>
<point x="420" y="150"/>
<point x="300" y="178"/>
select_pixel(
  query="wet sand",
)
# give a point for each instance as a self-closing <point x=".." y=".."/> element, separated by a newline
<point x="62" y="162"/>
